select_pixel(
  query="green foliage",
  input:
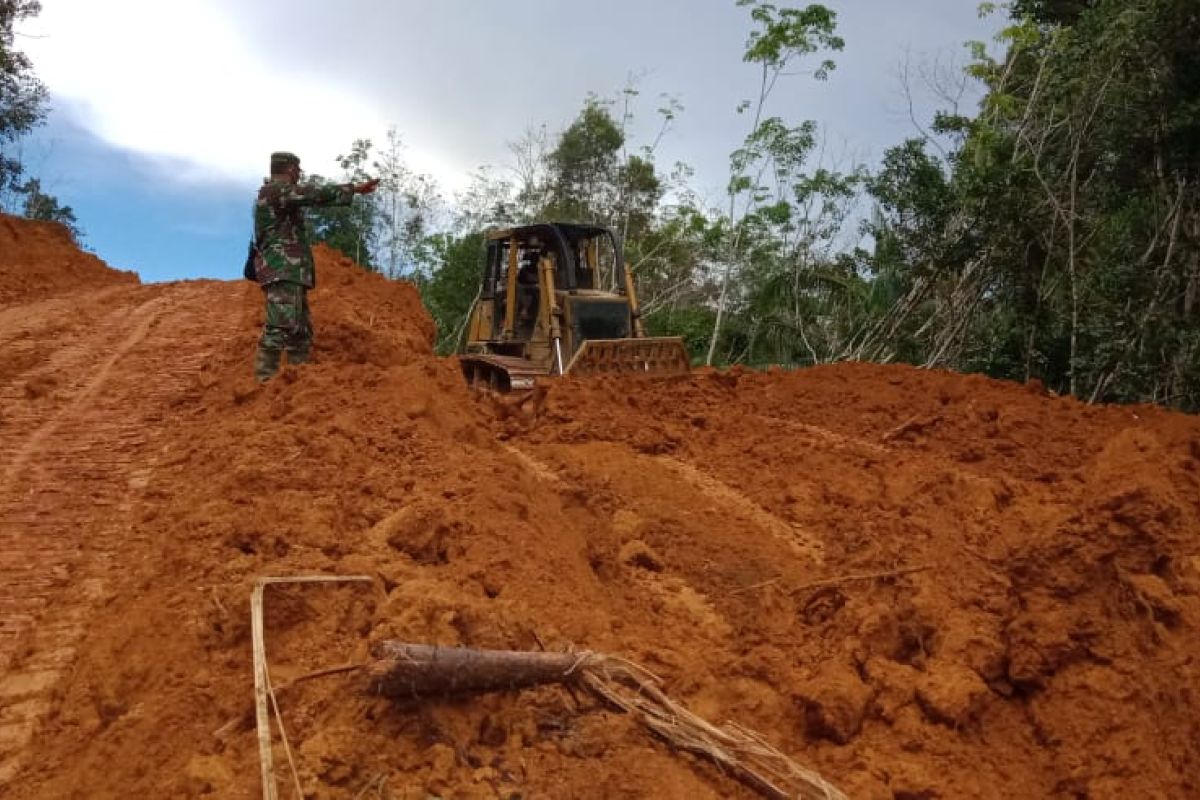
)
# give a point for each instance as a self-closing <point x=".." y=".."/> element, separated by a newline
<point x="784" y="34"/>
<point x="1053" y="234"/>
<point x="1060" y="240"/>
<point x="692" y="322"/>
<point x="915" y="202"/>
<point x="763" y="172"/>
<point x="350" y="229"/>
<point x="453" y="284"/>
<point x="1053" y="12"/>
<point x="23" y="108"/>
<point x="22" y="95"/>
<point x="590" y="179"/>
<point x="386" y="231"/>
<point x="583" y="163"/>
<point x="42" y="206"/>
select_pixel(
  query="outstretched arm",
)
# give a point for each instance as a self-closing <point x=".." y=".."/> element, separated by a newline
<point x="298" y="195"/>
<point x="366" y="187"/>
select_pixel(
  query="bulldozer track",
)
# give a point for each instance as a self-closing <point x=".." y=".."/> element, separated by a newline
<point x="535" y="467"/>
<point x="678" y="597"/>
<point x="801" y="541"/>
<point x="86" y="446"/>
<point x="824" y="437"/>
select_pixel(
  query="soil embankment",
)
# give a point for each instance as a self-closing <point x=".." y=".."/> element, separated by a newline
<point x="38" y="260"/>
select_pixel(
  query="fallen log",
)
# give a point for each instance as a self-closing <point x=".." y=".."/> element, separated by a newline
<point x="412" y="671"/>
<point x="415" y="671"/>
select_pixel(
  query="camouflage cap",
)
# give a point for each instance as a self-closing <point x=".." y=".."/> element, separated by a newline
<point x="281" y="160"/>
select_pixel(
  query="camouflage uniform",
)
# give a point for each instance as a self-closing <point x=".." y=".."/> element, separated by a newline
<point x="284" y="264"/>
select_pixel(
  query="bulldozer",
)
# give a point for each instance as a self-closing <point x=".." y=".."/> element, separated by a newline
<point x="558" y="299"/>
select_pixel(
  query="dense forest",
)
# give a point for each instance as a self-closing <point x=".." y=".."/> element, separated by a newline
<point x="1050" y="232"/>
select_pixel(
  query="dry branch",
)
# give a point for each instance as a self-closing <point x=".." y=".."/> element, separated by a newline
<point x="405" y="671"/>
<point x="917" y="424"/>
<point x="866" y="576"/>
<point x="320" y="673"/>
<point x="840" y="579"/>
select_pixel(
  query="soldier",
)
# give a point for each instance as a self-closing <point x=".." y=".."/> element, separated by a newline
<point x="284" y="262"/>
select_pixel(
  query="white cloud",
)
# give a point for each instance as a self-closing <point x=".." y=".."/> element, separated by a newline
<point x="174" y="80"/>
<point x="206" y="89"/>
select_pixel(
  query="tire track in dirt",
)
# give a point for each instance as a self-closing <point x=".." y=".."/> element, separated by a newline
<point x="539" y="470"/>
<point x="71" y="360"/>
<point x="801" y="542"/>
<point x="84" y="453"/>
<point x="824" y="436"/>
<point x="672" y="592"/>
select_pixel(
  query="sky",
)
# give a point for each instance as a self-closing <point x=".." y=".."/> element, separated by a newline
<point x="164" y="113"/>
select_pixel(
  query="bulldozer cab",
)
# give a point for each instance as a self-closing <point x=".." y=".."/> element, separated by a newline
<point x="550" y="292"/>
<point x="550" y="261"/>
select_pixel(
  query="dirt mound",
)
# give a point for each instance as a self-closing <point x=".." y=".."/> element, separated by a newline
<point x="1040" y="646"/>
<point x="38" y="260"/>
<point x="921" y="584"/>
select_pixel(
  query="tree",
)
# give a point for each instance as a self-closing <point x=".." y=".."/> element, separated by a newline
<point x="22" y="95"/>
<point x="487" y="202"/>
<point x="22" y="108"/>
<point x="352" y="229"/>
<point x="1060" y="240"/>
<point x="771" y="149"/>
<point x="1053" y="12"/>
<point x="591" y="176"/>
<point x="800" y="291"/>
<point x="1051" y="234"/>
<point x="405" y="206"/>
<point x="451" y="289"/>
<point x="42" y="206"/>
<point x="582" y="181"/>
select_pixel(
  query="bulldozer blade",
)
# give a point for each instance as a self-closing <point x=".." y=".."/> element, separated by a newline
<point x="664" y="355"/>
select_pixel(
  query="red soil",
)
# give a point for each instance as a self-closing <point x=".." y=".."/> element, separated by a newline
<point x="1035" y="636"/>
<point x="38" y="259"/>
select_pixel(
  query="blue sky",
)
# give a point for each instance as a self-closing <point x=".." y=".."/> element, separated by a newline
<point x="164" y="113"/>
<point x="134" y="214"/>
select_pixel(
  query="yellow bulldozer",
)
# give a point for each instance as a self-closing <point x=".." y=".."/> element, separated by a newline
<point x="558" y="299"/>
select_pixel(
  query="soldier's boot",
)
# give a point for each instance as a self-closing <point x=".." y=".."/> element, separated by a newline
<point x="266" y="364"/>
<point x="298" y="356"/>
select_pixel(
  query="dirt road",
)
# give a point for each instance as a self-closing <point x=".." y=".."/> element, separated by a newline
<point x="88" y="380"/>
